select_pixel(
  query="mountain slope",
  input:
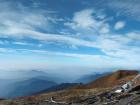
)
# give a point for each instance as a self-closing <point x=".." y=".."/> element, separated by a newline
<point x="93" y="96"/>
<point x="117" y="78"/>
<point x="59" y="87"/>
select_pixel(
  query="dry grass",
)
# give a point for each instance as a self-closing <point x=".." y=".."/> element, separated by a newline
<point x="70" y="95"/>
<point x="114" y="79"/>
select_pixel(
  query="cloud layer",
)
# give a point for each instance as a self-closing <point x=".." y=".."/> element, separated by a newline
<point x="91" y="37"/>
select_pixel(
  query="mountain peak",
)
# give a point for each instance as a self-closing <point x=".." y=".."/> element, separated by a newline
<point x="123" y="73"/>
<point x="128" y="72"/>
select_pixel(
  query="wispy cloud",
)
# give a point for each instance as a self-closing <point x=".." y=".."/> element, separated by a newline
<point x="119" y="25"/>
<point x="24" y="17"/>
<point x="112" y="45"/>
<point x="89" y="20"/>
<point x="128" y="8"/>
<point x="92" y="61"/>
<point x="87" y="29"/>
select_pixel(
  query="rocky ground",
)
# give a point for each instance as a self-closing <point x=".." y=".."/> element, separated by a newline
<point x="108" y="98"/>
<point x="103" y="98"/>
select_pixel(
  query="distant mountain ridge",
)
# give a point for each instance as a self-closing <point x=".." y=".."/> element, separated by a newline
<point x="91" y="77"/>
<point x="29" y="87"/>
<point x="11" y="86"/>
<point x="27" y="74"/>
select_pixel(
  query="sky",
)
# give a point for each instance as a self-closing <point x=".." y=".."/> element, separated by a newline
<point x="69" y="36"/>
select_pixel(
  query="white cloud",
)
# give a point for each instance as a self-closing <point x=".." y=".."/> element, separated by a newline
<point x="21" y="43"/>
<point x="22" y="20"/>
<point x="87" y="20"/>
<point x="84" y="19"/>
<point x="93" y="61"/>
<point x="53" y="53"/>
<point x="22" y="17"/>
<point x="119" y="25"/>
<point x="117" y="49"/>
<point x="112" y="45"/>
<point x="21" y="33"/>
<point x="105" y="29"/>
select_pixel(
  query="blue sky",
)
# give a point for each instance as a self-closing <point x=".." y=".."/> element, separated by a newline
<point x="66" y="36"/>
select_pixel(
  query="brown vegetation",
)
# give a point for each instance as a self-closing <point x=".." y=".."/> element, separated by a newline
<point x="117" y="78"/>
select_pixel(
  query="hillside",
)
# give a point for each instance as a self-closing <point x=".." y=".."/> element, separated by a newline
<point x="99" y="92"/>
<point x="117" y="78"/>
<point x="62" y="86"/>
<point x="91" y="77"/>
